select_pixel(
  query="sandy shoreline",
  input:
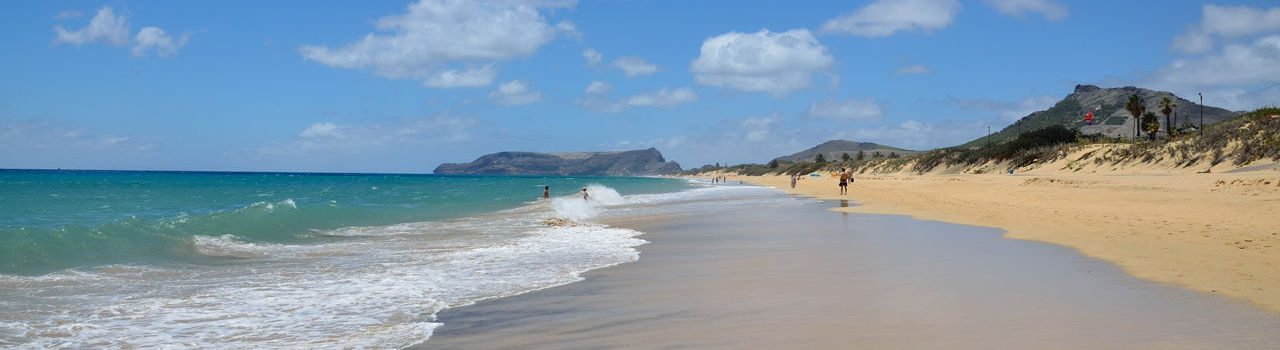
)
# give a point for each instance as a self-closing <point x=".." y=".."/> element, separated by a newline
<point x="787" y="273"/>
<point x="1215" y="233"/>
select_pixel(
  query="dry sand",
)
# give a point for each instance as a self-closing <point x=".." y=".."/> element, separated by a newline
<point x="788" y="274"/>
<point x="1215" y="233"/>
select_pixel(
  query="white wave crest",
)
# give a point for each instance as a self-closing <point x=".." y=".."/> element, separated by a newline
<point x="226" y="246"/>
<point x="598" y="198"/>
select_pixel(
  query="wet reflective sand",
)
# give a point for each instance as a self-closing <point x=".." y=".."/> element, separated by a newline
<point x="799" y="276"/>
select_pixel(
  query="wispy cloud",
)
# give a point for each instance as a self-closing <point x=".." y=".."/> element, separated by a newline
<point x="886" y="17"/>
<point x="854" y="109"/>
<point x="515" y="93"/>
<point x="593" y="57"/>
<point x="599" y="87"/>
<point x="69" y="14"/>
<point x="1009" y="111"/>
<point x="107" y="28"/>
<point x="333" y="138"/>
<point x="1226" y="22"/>
<point x="1050" y="9"/>
<point x="663" y="98"/>
<point x="155" y="39"/>
<point x="48" y="143"/>
<point x="634" y="66"/>
<point x="913" y="69"/>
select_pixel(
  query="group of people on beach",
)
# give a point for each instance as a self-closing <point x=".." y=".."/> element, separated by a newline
<point x="546" y="193"/>
<point x="846" y="178"/>
<point x="719" y="179"/>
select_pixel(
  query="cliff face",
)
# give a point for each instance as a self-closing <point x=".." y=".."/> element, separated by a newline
<point x="624" y="163"/>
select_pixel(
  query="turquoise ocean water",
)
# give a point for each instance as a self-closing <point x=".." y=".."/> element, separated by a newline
<point x="107" y="259"/>
<point x="54" y="220"/>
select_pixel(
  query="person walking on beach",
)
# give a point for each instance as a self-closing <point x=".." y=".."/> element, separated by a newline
<point x="844" y="181"/>
<point x="546" y="192"/>
<point x="793" y="182"/>
<point x="584" y="194"/>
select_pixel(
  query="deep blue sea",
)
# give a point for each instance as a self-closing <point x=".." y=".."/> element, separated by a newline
<point x="118" y="259"/>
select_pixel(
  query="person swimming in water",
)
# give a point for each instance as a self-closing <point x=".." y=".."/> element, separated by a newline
<point x="584" y="194"/>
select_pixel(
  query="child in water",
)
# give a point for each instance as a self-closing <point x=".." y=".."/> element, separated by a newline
<point x="584" y="194"/>
<point x="546" y="192"/>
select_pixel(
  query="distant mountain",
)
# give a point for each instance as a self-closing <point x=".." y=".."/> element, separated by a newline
<point x="622" y="163"/>
<point x="1110" y="118"/>
<point x="834" y="149"/>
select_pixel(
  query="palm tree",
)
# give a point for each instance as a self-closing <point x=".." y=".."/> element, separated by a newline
<point x="1151" y="125"/>
<point x="1136" y="106"/>
<point x="1166" y="107"/>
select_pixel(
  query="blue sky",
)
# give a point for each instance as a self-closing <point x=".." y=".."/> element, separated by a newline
<point x="395" y="86"/>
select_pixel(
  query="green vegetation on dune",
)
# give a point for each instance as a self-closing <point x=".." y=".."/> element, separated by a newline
<point x="1241" y="140"/>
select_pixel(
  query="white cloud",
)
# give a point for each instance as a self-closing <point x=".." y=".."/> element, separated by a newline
<point x="663" y="98"/>
<point x="1238" y="76"/>
<point x="757" y="129"/>
<point x="1010" y="111"/>
<point x="432" y="34"/>
<point x="152" y="38"/>
<point x="913" y="69"/>
<point x="850" y="109"/>
<point x="634" y="66"/>
<point x="1231" y="21"/>
<point x="515" y="93"/>
<point x="1051" y="10"/>
<point x="599" y="87"/>
<point x="105" y="28"/>
<point x="469" y="77"/>
<point x="1238" y="99"/>
<point x="885" y="17"/>
<point x="541" y="3"/>
<point x="909" y="134"/>
<point x="593" y="57"/>
<point x="109" y="29"/>
<point x="1236" y="64"/>
<point x="778" y="63"/>
<point x="330" y="138"/>
<point x="1193" y="41"/>
<point x="1226" y="22"/>
<point x="321" y="130"/>
<point x="69" y="14"/>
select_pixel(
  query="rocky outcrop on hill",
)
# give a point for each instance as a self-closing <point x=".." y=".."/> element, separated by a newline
<point x="622" y="163"/>
<point x="1109" y="116"/>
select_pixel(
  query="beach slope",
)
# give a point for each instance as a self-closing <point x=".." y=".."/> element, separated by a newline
<point x="1215" y="233"/>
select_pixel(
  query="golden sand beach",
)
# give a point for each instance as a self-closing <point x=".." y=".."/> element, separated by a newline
<point x="1211" y="232"/>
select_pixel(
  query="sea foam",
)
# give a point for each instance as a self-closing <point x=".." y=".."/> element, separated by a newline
<point x="377" y="287"/>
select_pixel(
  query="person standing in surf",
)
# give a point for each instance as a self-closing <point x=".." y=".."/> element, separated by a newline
<point x="546" y="192"/>
<point x="584" y="194"/>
